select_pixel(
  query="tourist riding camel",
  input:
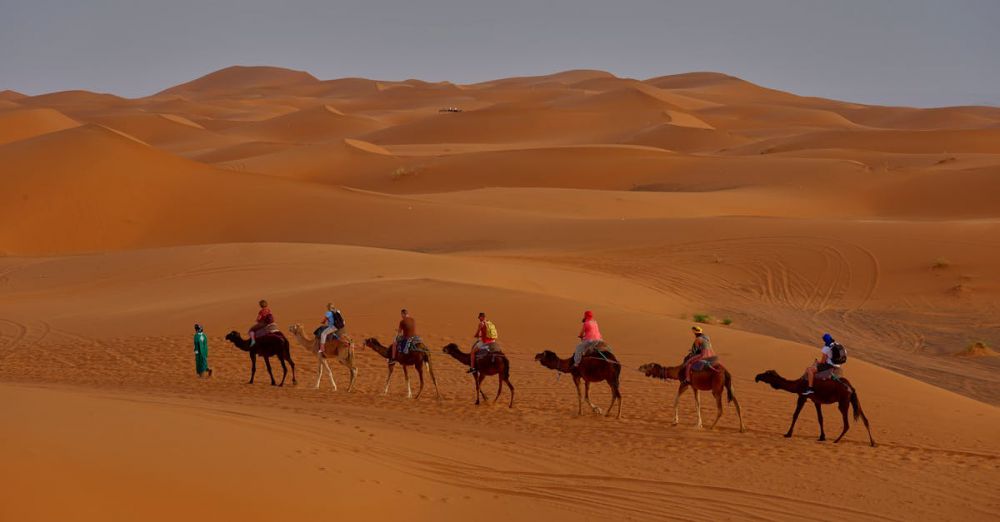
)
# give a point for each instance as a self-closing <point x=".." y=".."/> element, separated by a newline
<point x="264" y="325"/>
<point x="701" y="354"/>
<point x="406" y="332"/>
<point x="270" y="345"/>
<point x="493" y="362"/>
<point x="704" y="378"/>
<point x="832" y="355"/>
<point x="417" y="355"/>
<point x="600" y="366"/>
<point x="590" y="339"/>
<point x="340" y="348"/>
<point x="486" y="336"/>
<point x="827" y="391"/>
<point x="331" y="324"/>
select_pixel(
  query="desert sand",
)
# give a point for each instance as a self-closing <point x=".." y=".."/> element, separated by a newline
<point x="778" y="216"/>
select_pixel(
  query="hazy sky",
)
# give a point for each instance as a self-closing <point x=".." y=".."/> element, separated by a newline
<point x="904" y="52"/>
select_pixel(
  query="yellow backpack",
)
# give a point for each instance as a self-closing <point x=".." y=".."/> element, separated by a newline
<point x="491" y="330"/>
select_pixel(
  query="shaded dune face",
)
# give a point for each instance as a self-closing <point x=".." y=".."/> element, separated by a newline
<point x="772" y="216"/>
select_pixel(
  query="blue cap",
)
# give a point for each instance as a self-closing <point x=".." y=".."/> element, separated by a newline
<point x="827" y="338"/>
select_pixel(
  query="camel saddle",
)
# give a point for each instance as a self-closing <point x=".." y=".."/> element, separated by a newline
<point x="830" y="373"/>
<point x="706" y="364"/>
<point x="411" y="344"/>
<point x="598" y="349"/>
<point x="483" y="353"/>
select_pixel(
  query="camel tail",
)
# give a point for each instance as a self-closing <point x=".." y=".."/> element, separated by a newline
<point x="729" y="386"/>
<point x="856" y="404"/>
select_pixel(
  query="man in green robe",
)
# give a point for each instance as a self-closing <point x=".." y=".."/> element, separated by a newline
<point x="201" y="352"/>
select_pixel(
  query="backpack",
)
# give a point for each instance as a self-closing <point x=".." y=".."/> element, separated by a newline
<point x="338" y="319"/>
<point x="838" y="354"/>
<point x="491" y="330"/>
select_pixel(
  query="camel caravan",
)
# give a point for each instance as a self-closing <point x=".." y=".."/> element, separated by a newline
<point x="592" y="361"/>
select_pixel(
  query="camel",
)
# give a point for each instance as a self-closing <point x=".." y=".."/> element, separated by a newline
<point x="592" y="368"/>
<point x="495" y="363"/>
<point x="706" y="379"/>
<point x="342" y="349"/>
<point x="418" y="357"/>
<point x="267" y="346"/>
<point x="826" y="391"/>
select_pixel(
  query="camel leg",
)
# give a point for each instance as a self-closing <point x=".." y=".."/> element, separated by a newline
<point x="267" y="363"/>
<point x="434" y="381"/>
<point x="739" y="414"/>
<point x="354" y="375"/>
<point x="677" y="403"/>
<point x="499" y="387"/>
<point x="843" y="412"/>
<point x="420" y="373"/>
<point x="579" y="396"/>
<point x="284" y="370"/>
<point x="614" y="397"/>
<point x="718" y="405"/>
<point x="795" y="416"/>
<point x="858" y="412"/>
<point x="388" y="377"/>
<point x="819" y="417"/>
<point x="253" y="368"/>
<point x="406" y="377"/>
<point x="329" y="372"/>
<point x="586" y="395"/>
<point x="697" y="405"/>
<point x="292" y="364"/>
<point x="511" y="388"/>
<point x="319" y="369"/>
<point x="479" y="391"/>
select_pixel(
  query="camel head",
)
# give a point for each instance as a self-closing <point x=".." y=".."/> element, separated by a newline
<point x="771" y="377"/>
<point x="372" y="342"/>
<point x="234" y="337"/>
<point x="296" y="329"/>
<point x="653" y="370"/>
<point x="451" y="348"/>
<point x="548" y="359"/>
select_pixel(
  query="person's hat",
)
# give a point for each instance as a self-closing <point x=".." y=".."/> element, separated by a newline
<point x="697" y="329"/>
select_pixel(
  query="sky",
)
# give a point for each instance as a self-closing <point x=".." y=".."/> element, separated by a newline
<point x="894" y="52"/>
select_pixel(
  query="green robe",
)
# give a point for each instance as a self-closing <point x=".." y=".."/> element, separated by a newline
<point x="200" y="352"/>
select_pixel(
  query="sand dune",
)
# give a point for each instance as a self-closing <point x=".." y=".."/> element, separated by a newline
<point x="9" y="95"/>
<point x="238" y="78"/>
<point x="343" y="162"/>
<point x="772" y="216"/>
<point x="316" y="124"/>
<point x="984" y="141"/>
<point x="26" y="123"/>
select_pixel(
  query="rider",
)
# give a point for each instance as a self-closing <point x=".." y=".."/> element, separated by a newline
<point x="484" y="342"/>
<point x="327" y="327"/>
<point x="701" y="349"/>
<point x="406" y="331"/>
<point x="824" y="363"/>
<point x="589" y="335"/>
<point x="265" y="323"/>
